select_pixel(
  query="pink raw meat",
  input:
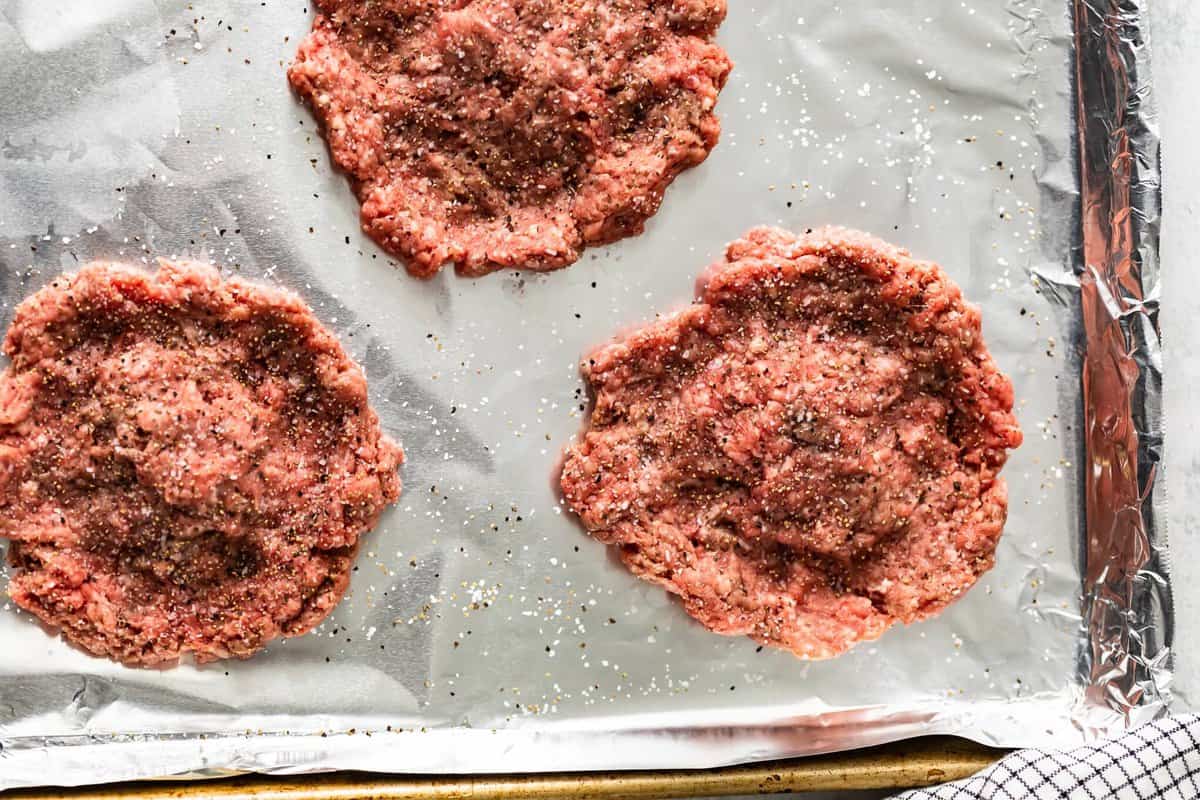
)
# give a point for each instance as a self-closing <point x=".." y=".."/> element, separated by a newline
<point x="808" y="455"/>
<point x="186" y="463"/>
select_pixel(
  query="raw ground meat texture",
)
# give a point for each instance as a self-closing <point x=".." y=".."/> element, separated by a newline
<point x="810" y="453"/>
<point x="186" y="463"/>
<point x="511" y="133"/>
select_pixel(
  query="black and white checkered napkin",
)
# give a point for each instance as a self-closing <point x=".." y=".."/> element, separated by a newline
<point x="1158" y="761"/>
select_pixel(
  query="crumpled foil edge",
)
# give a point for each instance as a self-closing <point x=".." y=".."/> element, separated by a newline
<point x="1125" y="666"/>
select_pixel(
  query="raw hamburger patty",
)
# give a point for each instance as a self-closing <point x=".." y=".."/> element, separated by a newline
<point x="186" y="463"/>
<point x="511" y="133"/>
<point x="808" y="455"/>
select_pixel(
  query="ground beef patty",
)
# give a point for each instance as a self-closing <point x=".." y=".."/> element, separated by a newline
<point x="809" y="454"/>
<point x="186" y="463"/>
<point x="511" y="133"/>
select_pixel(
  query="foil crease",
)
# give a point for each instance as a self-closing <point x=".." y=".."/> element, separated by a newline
<point x="1013" y="142"/>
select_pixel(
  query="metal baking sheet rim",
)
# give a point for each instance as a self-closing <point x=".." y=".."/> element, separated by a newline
<point x="902" y="765"/>
<point x="1124" y="669"/>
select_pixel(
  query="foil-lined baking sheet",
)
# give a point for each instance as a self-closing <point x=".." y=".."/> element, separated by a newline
<point x="1013" y="142"/>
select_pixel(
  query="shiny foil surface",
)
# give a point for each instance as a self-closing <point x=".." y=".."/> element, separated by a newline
<point x="1012" y="142"/>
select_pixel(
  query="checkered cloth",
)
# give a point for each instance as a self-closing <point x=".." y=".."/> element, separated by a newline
<point x="1158" y="761"/>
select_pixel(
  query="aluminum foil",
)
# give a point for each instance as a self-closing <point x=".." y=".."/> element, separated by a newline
<point x="1013" y="142"/>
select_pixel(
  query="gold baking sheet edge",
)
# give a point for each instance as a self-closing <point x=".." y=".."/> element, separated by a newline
<point x="920" y="762"/>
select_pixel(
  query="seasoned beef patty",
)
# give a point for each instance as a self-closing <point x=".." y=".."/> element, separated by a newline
<point x="511" y="133"/>
<point x="186" y="463"/>
<point x="808" y="455"/>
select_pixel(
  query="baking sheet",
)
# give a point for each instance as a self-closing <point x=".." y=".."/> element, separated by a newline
<point x="484" y="631"/>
